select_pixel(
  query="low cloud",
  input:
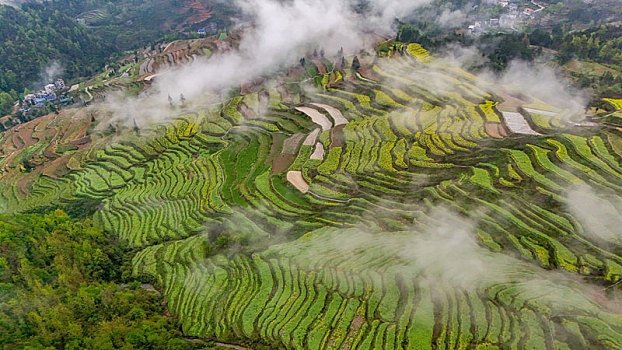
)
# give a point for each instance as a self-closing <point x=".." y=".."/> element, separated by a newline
<point x="447" y="249"/>
<point x="534" y="82"/>
<point x="600" y="218"/>
<point x="543" y="82"/>
<point x="451" y="18"/>
<point x="442" y="251"/>
<point x="52" y="71"/>
<point x="14" y="3"/>
<point x="47" y="74"/>
<point x="276" y="34"/>
<point x="442" y="246"/>
<point x="280" y="33"/>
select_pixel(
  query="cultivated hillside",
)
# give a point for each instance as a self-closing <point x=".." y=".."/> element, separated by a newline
<point x="399" y="202"/>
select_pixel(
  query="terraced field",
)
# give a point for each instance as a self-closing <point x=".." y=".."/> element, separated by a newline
<point x="137" y="70"/>
<point x="617" y="103"/>
<point x="376" y="210"/>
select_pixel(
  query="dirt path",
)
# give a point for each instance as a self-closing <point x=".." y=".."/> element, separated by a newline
<point x="167" y="46"/>
<point x="535" y="3"/>
<point x="149" y="77"/>
<point x="150" y="288"/>
<point x="612" y="113"/>
<point x="88" y="93"/>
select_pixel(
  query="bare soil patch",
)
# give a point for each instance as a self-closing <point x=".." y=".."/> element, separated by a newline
<point x="366" y="70"/>
<point x="201" y="12"/>
<point x="84" y="140"/>
<point x="17" y="142"/>
<point x="337" y="139"/>
<point x="23" y="188"/>
<point x="496" y="130"/>
<point x="317" y="117"/>
<point x="25" y="134"/>
<point x="321" y="68"/>
<point x="57" y="168"/>
<point x="282" y="162"/>
<point x="336" y="114"/>
<point x="367" y="73"/>
<point x="310" y="140"/>
<point x="290" y="145"/>
<point x="49" y="152"/>
<point x="295" y="72"/>
<point x="286" y="97"/>
<point x="511" y="102"/>
<point x="318" y="153"/>
<point x="356" y="324"/>
<point x="298" y="181"/>
<point x="277" y="141"/>
<point x="246" y="112"/>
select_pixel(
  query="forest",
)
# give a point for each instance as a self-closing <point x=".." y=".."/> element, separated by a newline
<point x="35" y="36"/>
<point x="63" y="284"/>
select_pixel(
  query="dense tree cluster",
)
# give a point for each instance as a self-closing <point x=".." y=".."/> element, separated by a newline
<point x="601" y="45"/>
<point x="498" y="48"/>
<point x="7" y="100"/>
<point x="59" y="288"/>
<point x="34" y="36"/>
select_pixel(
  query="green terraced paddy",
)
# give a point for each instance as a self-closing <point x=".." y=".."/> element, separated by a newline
<point x="242" y="256"/>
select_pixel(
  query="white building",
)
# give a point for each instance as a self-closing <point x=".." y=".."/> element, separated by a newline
<point x="30" y="99"/>
<point x="49" y="88"/>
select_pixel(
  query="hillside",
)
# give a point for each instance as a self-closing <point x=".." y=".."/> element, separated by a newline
<point x="398" y="202"/>
<point x="32" y="38"/>
<point x="134" y="73"/>
<point x="81" y="36"/>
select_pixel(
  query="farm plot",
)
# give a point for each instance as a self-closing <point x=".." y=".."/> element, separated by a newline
<point x="617" y="103"/>
<point x="517" y="124"/>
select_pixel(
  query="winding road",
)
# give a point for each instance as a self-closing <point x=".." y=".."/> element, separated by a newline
<point x="535" y="3"/>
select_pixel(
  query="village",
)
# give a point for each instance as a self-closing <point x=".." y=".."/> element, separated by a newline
<point x="49" y="99"/>
<point x="511" y="15"/>
<point x="52" y="93"/>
